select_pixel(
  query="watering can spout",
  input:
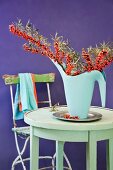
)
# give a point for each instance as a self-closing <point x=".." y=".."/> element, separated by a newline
<point x="102" y="86"/>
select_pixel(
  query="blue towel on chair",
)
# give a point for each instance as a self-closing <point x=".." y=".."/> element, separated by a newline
<point x="25" y="93"/>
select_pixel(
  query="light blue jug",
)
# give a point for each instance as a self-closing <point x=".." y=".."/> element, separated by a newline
<point x="79" y="91"/>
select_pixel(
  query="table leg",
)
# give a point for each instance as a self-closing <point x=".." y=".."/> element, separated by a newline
<point x="109" y="154"/>
<point x="91" y="152"/>
<point x="59" y="155"/>
<point x="34" y="151"/>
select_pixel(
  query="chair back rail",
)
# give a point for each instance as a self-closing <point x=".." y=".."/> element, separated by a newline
<point x="39" y="78"/>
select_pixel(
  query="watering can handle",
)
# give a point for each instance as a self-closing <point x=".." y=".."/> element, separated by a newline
<point x="102" y="86"/>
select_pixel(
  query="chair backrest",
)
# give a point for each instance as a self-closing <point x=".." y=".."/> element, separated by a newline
<point x="38" y="78"/>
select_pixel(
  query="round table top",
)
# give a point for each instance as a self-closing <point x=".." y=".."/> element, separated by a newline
<point x="43" y="118"/>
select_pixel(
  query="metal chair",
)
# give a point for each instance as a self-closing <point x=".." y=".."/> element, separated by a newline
<point x="24" y="132"/>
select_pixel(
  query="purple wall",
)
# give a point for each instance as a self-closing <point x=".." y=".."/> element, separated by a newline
<point x="84" y="23"/>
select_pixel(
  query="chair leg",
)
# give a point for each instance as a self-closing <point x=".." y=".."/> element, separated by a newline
<point x="67" y="161"/>
<point x="53" y="161"/>
<point x="12" y="168"/>
<point x="19" y="159"/>
<point x="14" y="163"/>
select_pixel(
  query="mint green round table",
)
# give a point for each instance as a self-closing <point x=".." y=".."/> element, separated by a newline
<point x="44" y="125"/>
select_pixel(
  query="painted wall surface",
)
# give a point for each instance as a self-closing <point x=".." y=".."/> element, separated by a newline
<point x="84" y="23"/>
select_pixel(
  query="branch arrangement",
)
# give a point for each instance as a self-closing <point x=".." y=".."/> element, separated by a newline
<point x="71" y="61"/>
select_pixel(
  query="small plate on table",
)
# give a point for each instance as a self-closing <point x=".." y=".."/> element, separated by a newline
<point x="92" y="116"/>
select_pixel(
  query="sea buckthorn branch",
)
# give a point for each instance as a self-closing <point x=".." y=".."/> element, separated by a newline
<point x="36" y="42"/>
<point x="71" y="62"/>
<point x="103" y="55"/>
<point x="86" y="56"/>
<point x="31" y="35"/>
<point x="63" y="54"/>
<point x="66" y="55"/>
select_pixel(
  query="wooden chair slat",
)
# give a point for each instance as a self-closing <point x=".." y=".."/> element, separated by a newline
<point x="14" y="79"/>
